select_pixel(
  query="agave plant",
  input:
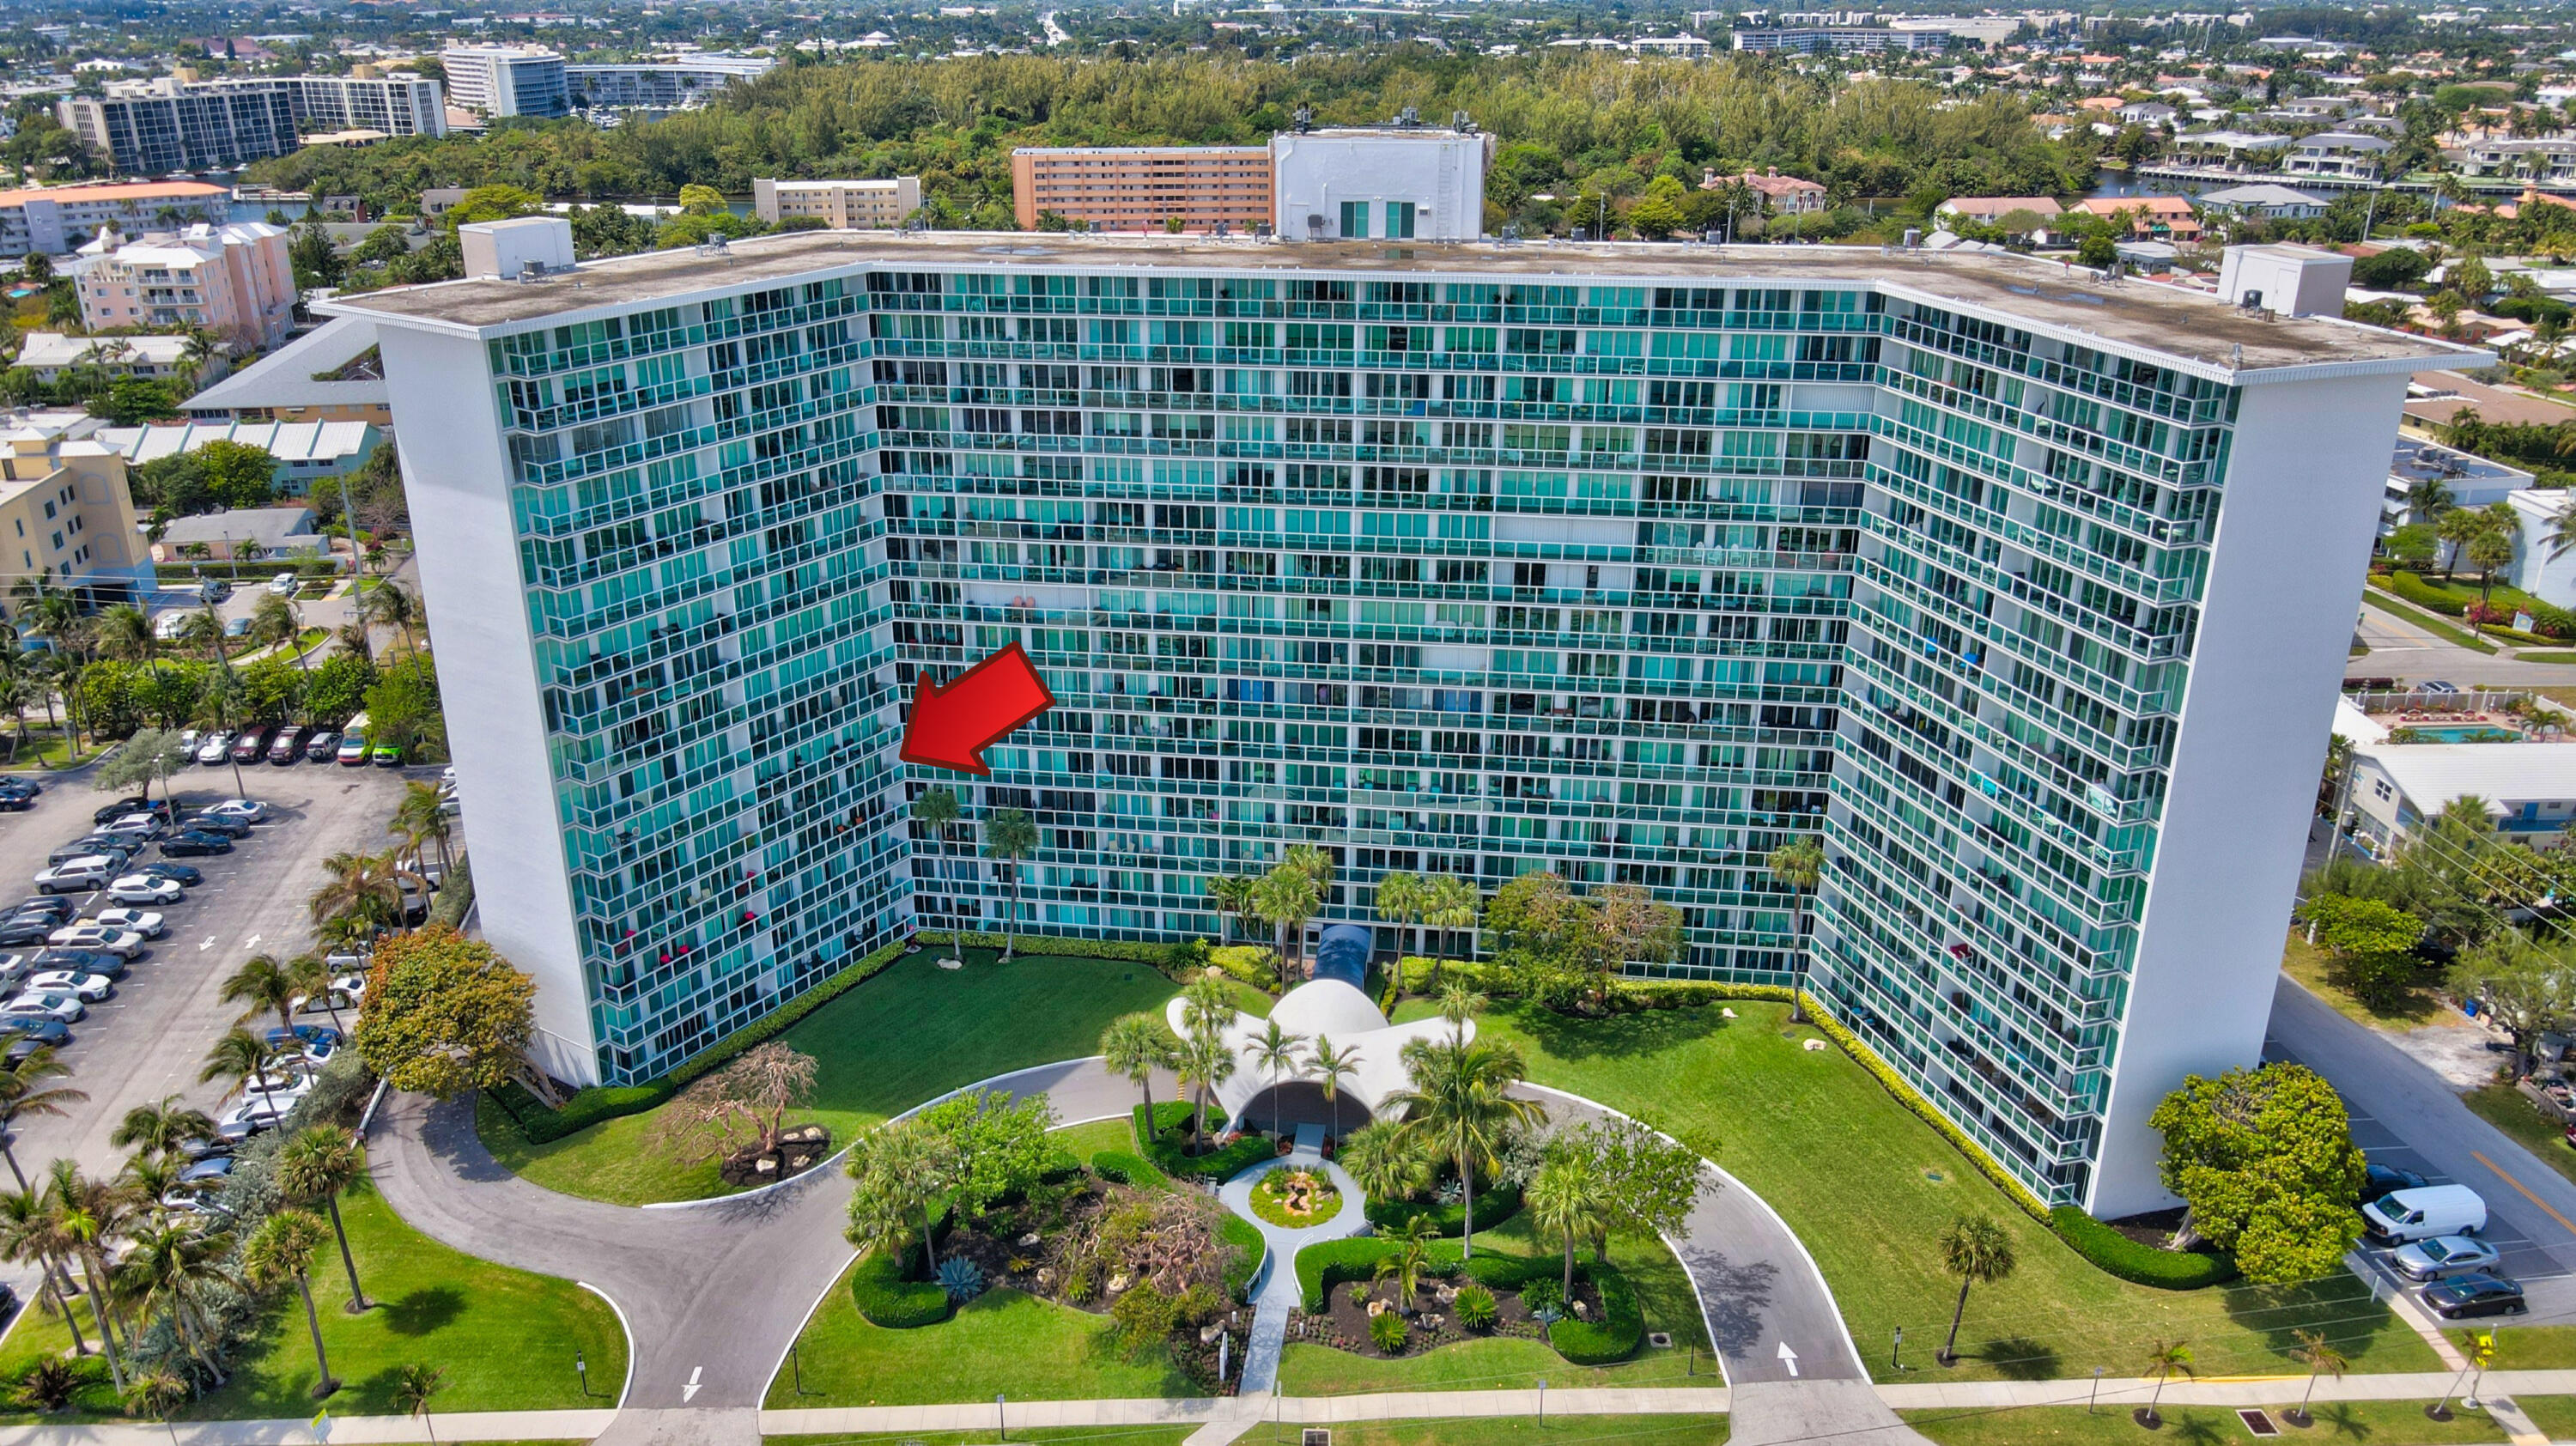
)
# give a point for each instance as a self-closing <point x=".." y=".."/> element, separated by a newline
<point x="963" y="1279"/>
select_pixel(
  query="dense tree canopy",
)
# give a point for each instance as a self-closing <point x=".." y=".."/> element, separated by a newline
<point x="2265" y="1160"/>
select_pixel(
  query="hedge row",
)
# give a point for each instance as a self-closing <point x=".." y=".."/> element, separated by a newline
<point x="1614" y="1337"/>
<point x="1250" y="1245"/>
<point x="1494" y="1205"/>
<point x="775" y="1023"/>
<point x="1165" y="1147"/>
<point x="1120" y="1167"/>
<point x="1036" y="944"/>
<point x="1329" y="1263"/>
<point x="2138" y="1264"/>
<point x="2424" y="595"/>
<point x="885" y="1298"/>
<point x="1248" y="963"/>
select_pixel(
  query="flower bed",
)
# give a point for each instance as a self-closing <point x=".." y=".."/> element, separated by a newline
<point x="1294" y="1199"/>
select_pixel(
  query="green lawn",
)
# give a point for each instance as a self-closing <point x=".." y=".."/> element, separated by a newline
<point x="2307" y="964"/>
<point x="1103" y="1435"/>
<point x="2381" y="1423"/>
<point x="1867" y="1187"/>
<point x="2430" y="622"/>
<point x="505" y="1337"/>
<point x="1088" y="1140"/>
<point x="2504" y="1107"/>
<point x="912" y="1032"/>
<point x="1512" y="1431"/>
<point x="1002" y="1341"/>
<point x="2554" y="1415"/>
<point x="2524" y="1348"/>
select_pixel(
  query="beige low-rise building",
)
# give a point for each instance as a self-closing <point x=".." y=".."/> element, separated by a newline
<point x="66" y="512"/>
<point x="880" y="205"/>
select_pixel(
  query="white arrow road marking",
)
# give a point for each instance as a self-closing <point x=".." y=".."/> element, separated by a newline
<point x="1789" y="1358"/>
<point x="209" y="944"/>
<point x="252" y="942"/>
<point x="691" y="1389"/>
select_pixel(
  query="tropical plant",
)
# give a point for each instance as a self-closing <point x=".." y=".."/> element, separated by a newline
<point x="1399" y="899"/>
<point x="2319" y="1355"/>
<point x="1460" y="1101"/>
<point x="239" y="1056"/>
<point x="1450" y="903"/>
<point x="171" y="1267"/>
<point x="1329" y="1066"/>
<point x="281" y="1252"/>
<point x="1232" y="895"/>
<point x="961" y="1278"/>
<point x="903" y="1168"/>
<point x="1277" y="1050"/>
<point x="25" y="1095"/>
<point x="1458" y="1004"/>
<point x="31" y="1234"/>
<point x="1207" y="1061"/>
<point x="1136" y="1045"/>
<point x="422" y="818"/>
<point x="2165" y="1360"/>
<point x="1408" y="1258"/>
<point x="1285" y="898"/>
<point x="1566" y="1200"/>
<point x="319" y="1163"/>
<point x="1977" y="1251"/>
<point x="1798" y="866"/>
<point x="50" y="1384"/>
<point x="262" y="983"/>
<point x="1389" y="1332"/>
<point x="1476" y="1307"/>
<point x="90" y="1215"/>
<point x="1385" y="1162"/>
<point x="935" y="810"/>
<point x="362" y="886"/>
<point x="157" y="1394"/>
<point x="160" y="1128"/>
<point x="414" y="1384"/>
<point x="1010" y="836"/>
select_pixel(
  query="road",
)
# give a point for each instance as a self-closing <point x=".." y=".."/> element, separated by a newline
<point x="2400" y="649"/>
<point x="147" y="1039"/>
<point x="2405" y="1115"/>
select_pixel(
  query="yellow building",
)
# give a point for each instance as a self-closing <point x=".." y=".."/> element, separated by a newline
<point x="66" y="512"/>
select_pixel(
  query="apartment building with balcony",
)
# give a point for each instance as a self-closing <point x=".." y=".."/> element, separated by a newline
<point x="2550" y="159"/>
<point x="1143" y="188"/>
<point x="660" y="85"/>
<point x="58" y="219"/>
<point x="1631" y="562"/>
<point x="179" y="123"/>
<point x="236" y="281"/>
<point x="880" y="204"/>
<point x="507" y="80"/>
<point x="2347" y="155"/>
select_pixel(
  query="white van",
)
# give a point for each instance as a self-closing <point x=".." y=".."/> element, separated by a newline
<point x="2423" y="1213"/>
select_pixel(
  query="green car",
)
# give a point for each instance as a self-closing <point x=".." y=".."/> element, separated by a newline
<point x="386" y="755"/>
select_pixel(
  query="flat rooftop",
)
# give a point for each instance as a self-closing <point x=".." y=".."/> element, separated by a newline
<point x="2174" y="324"/>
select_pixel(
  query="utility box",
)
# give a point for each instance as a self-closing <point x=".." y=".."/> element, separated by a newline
<point x="2285" y="280"/>
<point x="516" y="249"/>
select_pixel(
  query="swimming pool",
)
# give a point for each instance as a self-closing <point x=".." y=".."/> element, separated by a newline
<point x="2461" y="733"/>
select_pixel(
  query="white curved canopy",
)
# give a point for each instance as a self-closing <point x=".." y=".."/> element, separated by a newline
<point x="1326" y="1008"/>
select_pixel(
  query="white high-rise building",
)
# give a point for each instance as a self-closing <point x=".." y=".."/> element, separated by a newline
<point x="2029" y="597"/>
<point x="1390" y="183"/>
<point x="507" y="80"/>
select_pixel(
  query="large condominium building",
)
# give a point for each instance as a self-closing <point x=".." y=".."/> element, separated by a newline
<point x="660" y="85"/>
<point x="841" y="205"/>
<point x="506" y="80"/>
<point x="1143" y="188"/>
<point x="65" y="511"/>
<point x="235" y="281"/>
<point x="2028" y="596"/>
<point x="177" y="124"/>
<point x="1857" y="40"/>
<point x="58" y="219"/>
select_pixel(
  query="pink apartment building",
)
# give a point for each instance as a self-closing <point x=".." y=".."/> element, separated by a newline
<point x="235" y="281"/>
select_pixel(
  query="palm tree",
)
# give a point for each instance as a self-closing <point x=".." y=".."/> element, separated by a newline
<point x="2490" y="549"/>
<point x="1136" y="1045"/>
<point x="275" y="622"/>
<point x="1232" y="895"/>
<point x="89" y="1214"/>
<point x="364" y="886"/>
<point x="414" y="1384"/>
<point x="1206" y="1062"/>
<point x="158" y="1394"/>
<point x="902" y="1170"/>
<point x="1403" y="1266"/>
<point x="1565" y="1200"/>
<point x="2561" y="536"/>
<point x="1285" y="898"/>
<point x="312" y="975"/>
<point x="2428" y="498"/>
<point x="1976" y="1250"/>
<point x="935" y="810"/>
<point x="390" y="604"/>
<point x="159" y="1129"/>
<point x="281" y="1252"/>
<point x="2320" y="1357"/>
<point x="1329" y="1067"/>
<point x="171" y="1266"/>
<point x="1458" y="1004"/>
<point x="239" y="1056"/>
<point x="1274" y="1050"/>
<point x="2458" y="527"/>
<point x="319" y="1163"/>
<point x="1798" y="865"/>
<point x="30" y="1232"/>
<point x="25" y="1095"/>
<point x="1009" y="835"/>
<point x="422" y="817"/>
<point x="262" y="983"/>
<point x="1460" y="1102"/>
<point x="2165" y="1360"/>
<point x="1452" y="904"/>
<point x="1385" y="1162"/>
<point x="1400" y="899"/>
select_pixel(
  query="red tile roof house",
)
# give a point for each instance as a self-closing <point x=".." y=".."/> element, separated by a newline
<point x="1782" y="195"/>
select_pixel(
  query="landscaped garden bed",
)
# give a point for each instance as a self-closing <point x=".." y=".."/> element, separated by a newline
<point x="1293" y="1199"/>
<point x="1441" y="1312"/>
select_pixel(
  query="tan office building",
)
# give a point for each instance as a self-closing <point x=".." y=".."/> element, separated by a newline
<point x="1140" y="188"/>
<point x="65" y="511"/>
<point x="843" y="205"/>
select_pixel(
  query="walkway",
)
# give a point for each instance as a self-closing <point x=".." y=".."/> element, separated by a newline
<point x="1276" y="1291"/>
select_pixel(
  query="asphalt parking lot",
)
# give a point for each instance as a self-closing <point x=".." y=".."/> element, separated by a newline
<point x="149" y="1038"/>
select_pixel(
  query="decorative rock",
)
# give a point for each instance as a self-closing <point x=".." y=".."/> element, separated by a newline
<point x="1726" y="1014"/>
<point x="1581" y="1312"/>
<point x="1430" y="1322"/>
<point x="1446" y="1295"/>
<point x="1208" y="1333"/>
<point x="765" y="1165"/>
<point x="952" y="963"/>
<point x="1029" y="1239"/>
<point x="1119" y="1282"/>
<point x="1814" y="1045"/>
<point x="1376" y="1308"/>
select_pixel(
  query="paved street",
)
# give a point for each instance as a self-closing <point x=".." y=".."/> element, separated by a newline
<point x="148" y="1039"/>
<point x="2400" y="649"/>
<point x="2405" y="1115"/>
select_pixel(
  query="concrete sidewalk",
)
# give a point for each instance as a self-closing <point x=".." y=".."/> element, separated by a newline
<point x="339" y="1430"/>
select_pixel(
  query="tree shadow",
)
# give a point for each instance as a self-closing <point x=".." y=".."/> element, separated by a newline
<point x="2198" y="1429"/>
<point x="423" y="1311"/>
<point x="2342" y="1420"/>
<point x="1646" y="1032"/>
<point x="2019" y="1358"/>
<point x="2339" y="1305"/>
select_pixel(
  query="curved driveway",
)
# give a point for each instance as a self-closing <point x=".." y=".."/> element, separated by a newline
<point x="713" y="1293"/>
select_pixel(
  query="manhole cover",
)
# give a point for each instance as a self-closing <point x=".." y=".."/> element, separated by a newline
<point x="2258" y="1424"/>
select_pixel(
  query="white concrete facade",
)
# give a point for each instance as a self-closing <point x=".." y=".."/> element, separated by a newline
<point x="1399" y="185"/>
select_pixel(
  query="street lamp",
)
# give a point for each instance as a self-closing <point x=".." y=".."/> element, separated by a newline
<point x="1542" y="1400"/>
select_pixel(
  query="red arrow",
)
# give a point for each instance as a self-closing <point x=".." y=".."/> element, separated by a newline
<point x="951" y="727"/>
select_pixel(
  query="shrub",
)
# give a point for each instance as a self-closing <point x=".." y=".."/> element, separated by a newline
<point x="1543" y="1293"/>
<point x="1388" y="1332"/>
<point x="1476" y="1307"/>
<point x="1615" y="1336"/>
<point x="2138" y="1264"/>
<point x="1250" y="1247"/>
<point x="1034" y="944"/>
<point x="2423" y="594"/>
<point x="885" y="1298"/>
<point x="1165" y="1148"/>
<point x="1496" y="1271"/>
<point x="1329" y="1263"/>
<point x="1494" y="1204"/>
<point x="1251" y="963"/>
<point x="1126" y="1169"/>
<point x="961" y="1278"/>
<point x="539" y="1125"/>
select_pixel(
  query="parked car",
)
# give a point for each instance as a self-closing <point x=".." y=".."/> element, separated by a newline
<point x="83" y="874"/>
<point x="99" y="936"/>
<point x="2475" y="1294"/>
<point x="353" y="749"/>
<point x="53" y="906"/>
<point x="2437" y="685"/>
<point x="85" y="961"/>
<point x="206" y="1173"/>
<point x="16" y="801"/>
<point x="26" y="929"/>
<point x="288" y="746"/>
<point x="385" y="755"/>
<point x="2423" y="1213"/>
<point x="89" y="988"/>
<point x="217" y="747"/>
<point x="84" y="846"/>
<point x="138" y="826"/>
<point x="181" y="874"/>
<point x="243" y="810"/>
<point x="135" y="804"/>
<point x="145" y="889"/>
<point x="283" y="584"/>
<point x="2381" y="1180"/>
<point x="141" y="921"/>
<point x="192" y="844"/>
<point x="63" y="1007"/>
<point x="252" y="745"/>
<point x="301" y="1036"/>
<point x="2442" y="1255"/>
<point x="204" y="1147"/>
<point x="250" y="1117"/>
<point x="215" y="823"/>
<point x="237" y="628"/>
<point x="315" y="1054"/>
<point x="28" y="1033"/>
<point x="322" y="747"/>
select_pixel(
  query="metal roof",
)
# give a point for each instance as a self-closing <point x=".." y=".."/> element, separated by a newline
<point x="288" y="442"/>
<point x="284" y="378"/>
